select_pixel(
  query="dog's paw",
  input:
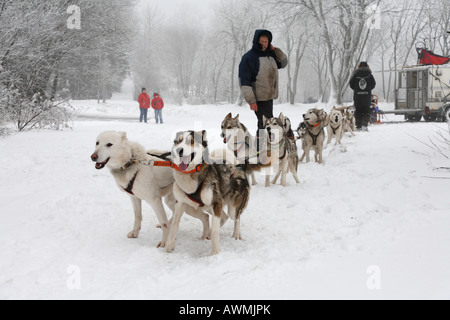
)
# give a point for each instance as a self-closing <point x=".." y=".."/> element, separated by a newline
<point x="161" y="245"/>
<point x="134" y="234"/>
<point x="170" y="246"/>
<point x="236" y="236"/>
<point x="206" y="237"/>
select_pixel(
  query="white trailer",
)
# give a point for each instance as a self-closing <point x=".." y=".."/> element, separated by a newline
<point x="423" y="91"/>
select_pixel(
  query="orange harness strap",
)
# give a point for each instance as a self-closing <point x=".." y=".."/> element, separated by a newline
<point x="168" y="164"/>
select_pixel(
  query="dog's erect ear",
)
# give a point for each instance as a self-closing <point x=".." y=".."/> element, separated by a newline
<point x="322" y="115"/>
<point x="205" y="139"/>
<point x="265" y="121"/>
<point x="204" y="136"/>
<point x="123" y="135"/>
<point x="229" y="116"/>
<point x="178" y="137"/>
<point x="281" y="117"/>
<point x="237" y="118"/>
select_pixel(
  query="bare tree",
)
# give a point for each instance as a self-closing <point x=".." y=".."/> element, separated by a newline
<point x="297" y="33"/>
<point x="237" y="21"/>
<point x="342" y="28"/>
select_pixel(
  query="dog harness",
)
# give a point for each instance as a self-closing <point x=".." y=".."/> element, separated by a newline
<point x="314" y="137"/>
<point x="196" y="196"/>
<point x="285" y="153"/>
<point x="334" y="130"/>
<point x="129" y="189"/>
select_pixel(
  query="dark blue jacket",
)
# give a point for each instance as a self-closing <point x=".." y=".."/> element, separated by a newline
<point x="258" y="70"/>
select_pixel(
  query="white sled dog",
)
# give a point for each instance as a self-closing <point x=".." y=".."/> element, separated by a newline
<point x="312" y="134"/>
<point x="282" y="151"/>
<point x="128" y="163"/>
<point x="201" y="183"/>
<point x="335" y="126"/>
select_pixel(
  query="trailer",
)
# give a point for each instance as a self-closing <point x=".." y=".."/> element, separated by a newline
<point x="423" y="91"/>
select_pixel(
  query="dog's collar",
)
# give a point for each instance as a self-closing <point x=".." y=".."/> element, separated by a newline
<point x="197" y="168"/>
<point x="127" y="165"/>
<point x="169" y="164"/>
<point x="316" y="125"/>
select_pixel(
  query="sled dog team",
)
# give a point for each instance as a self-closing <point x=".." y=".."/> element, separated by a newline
<point x="192" y="180"/>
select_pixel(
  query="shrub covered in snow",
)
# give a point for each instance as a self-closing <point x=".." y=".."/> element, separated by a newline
<point x="34" y="113"/>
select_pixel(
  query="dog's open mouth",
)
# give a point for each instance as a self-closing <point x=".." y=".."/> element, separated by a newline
<point x="272" y="137"/>
<point x="101" y="165"/>
<point x="226" y="139"/>
<point x="186" y="161"/>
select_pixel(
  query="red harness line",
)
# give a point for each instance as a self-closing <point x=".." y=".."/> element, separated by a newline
<point x="166" y="164"/>
<point x="194" y="197"/>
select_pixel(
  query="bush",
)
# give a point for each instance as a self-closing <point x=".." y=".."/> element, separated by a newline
<point x="37" y="113"/>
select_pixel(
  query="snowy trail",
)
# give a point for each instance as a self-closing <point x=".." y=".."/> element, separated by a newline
<point x="368" y="205"/>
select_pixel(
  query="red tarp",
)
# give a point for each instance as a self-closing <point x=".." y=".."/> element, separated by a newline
<point x="427" y="57"/>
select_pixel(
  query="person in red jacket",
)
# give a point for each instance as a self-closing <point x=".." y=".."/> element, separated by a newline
<point x="158" y="105"/>
<point x="144" y="105"/>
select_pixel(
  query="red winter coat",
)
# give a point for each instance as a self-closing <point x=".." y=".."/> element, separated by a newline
<point x="157" y="102"/>
<point x="144" y="101"/>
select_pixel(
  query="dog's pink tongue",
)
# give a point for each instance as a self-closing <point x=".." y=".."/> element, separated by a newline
<point x="184" y="163"/>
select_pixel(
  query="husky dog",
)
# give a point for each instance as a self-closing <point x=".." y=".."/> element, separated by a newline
<point x="335" y="126"/>
<point x="281" y="151"/>
<point x="141" y="182"/>
<point x="288" y="129"/>
<point x="349" y="122"/>
<point x="314" y="134"/>
<point x="239" y="142"/>
<point x="350" y="115"/>
<point x="200" y="183"/>
<point x="302" y="130"/>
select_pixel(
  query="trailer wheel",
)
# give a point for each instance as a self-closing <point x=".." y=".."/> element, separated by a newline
<point x="414" y="117"/>
<point x="430" y="117"/>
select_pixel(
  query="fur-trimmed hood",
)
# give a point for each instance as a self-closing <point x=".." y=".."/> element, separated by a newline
<point x="363" y="70"/>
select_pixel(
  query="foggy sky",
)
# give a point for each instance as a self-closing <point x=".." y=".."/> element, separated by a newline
<point x="168" y="7"/>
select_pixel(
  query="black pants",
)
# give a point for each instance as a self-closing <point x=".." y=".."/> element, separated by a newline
<point x="362" y="115"/>
<point x="265" y="109"/>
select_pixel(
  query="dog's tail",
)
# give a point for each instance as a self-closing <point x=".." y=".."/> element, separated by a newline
<point x="250" y="168"/>
<point x="241" y="195"/>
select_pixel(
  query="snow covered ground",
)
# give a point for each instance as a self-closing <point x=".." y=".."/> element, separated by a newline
<point x="371" y="223"/>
